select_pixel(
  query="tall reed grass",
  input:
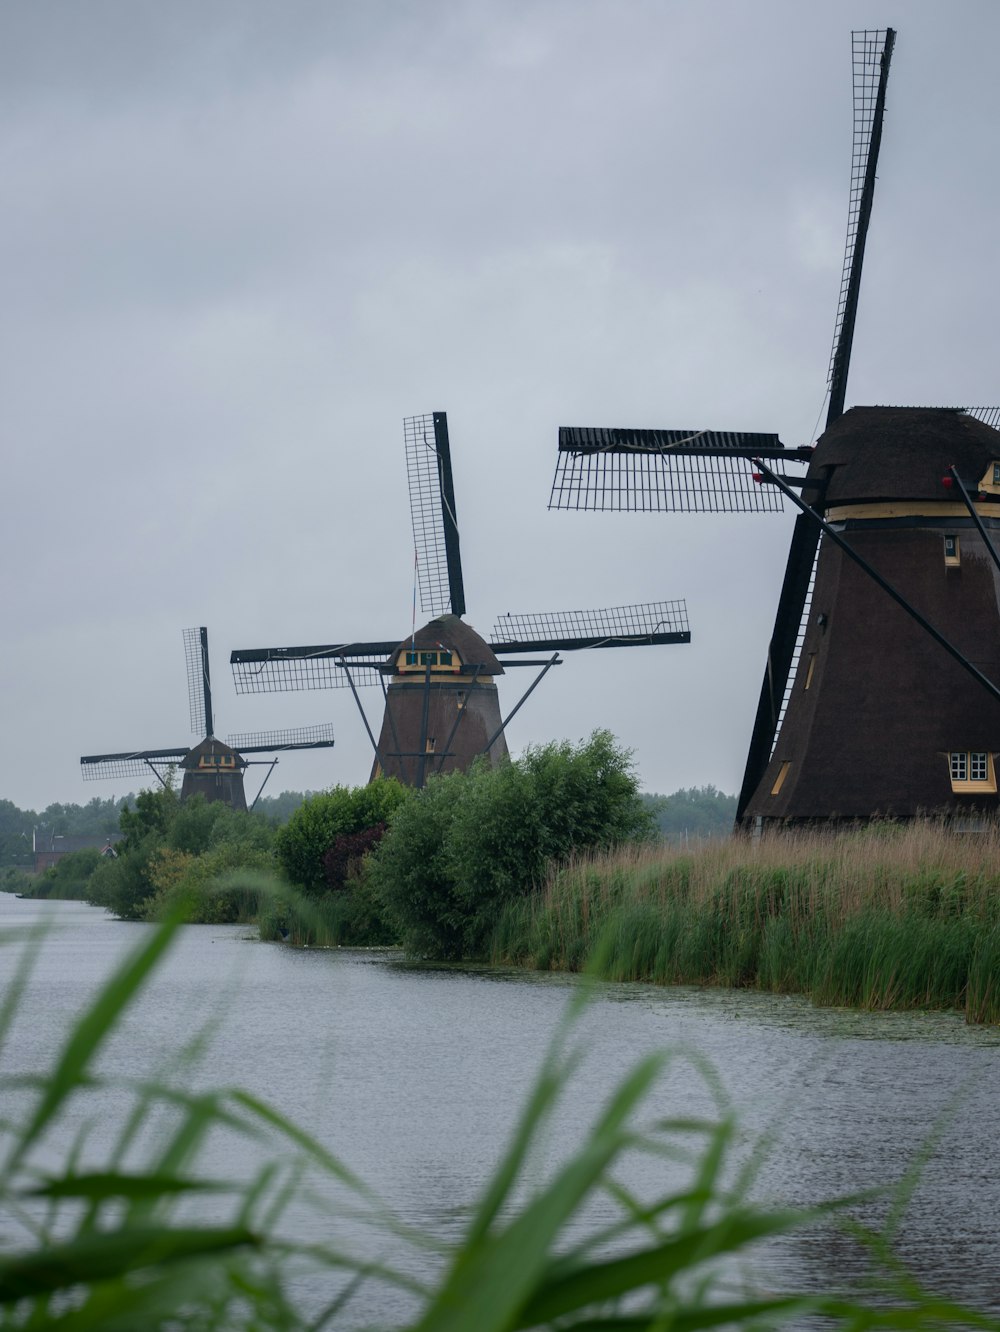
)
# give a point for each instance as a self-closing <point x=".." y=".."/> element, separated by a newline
<point x="885" y="917"/>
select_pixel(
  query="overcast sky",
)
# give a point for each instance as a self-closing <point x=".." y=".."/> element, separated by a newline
<point x="241" y="241"/>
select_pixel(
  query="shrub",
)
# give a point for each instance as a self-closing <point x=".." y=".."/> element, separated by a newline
<point x="469" y="843"/>
<point x="342" y="863"/>
<point x="314" y="827"/>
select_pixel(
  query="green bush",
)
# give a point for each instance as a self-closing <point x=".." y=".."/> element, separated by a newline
<point x="314" y="827"/>
<point x="471" y="842"/>
<point x="172" y="851"/>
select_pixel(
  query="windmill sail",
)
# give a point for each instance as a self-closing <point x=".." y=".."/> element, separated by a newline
<point x="872" y="52"/>
<point x="649" y="624"/>
<point x="665" y="471"/>
<point x="199" y="681"/>
<point x="432" y="509"/>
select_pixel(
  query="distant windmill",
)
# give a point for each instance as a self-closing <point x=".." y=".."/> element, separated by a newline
<point x="441" y="707"/>
<point x="880" y="695"/>
<point x="211" y="769"/>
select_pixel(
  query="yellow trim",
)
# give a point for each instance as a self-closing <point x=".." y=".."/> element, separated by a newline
<point x="779" y="781"/>
<point x="987" y="484"/>
<point x="445" y="677"/>
<point x="919" y="510"/>
<point x="420" y="667"/>
<point x="811" y="668"/>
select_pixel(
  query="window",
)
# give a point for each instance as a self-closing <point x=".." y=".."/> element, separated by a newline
<point x="996" y="473"/>
<point x="952" y="550"/>
<point x="420" y="659"/>
<point x="972" y="771"/>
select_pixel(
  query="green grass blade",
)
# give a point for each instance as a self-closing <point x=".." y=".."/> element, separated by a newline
<point x="98" y="1257"/>
<point x="92" y="1030"/>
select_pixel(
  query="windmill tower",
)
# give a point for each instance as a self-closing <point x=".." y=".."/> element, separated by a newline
<point x="880" y="696"/>
<point x="441" y="706"/>
<point x="212" y="768"/>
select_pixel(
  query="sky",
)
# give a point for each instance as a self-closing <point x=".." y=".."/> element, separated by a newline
<point x="242" y="241"/>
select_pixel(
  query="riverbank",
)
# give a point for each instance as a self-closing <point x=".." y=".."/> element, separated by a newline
<point x="886" y="917"/>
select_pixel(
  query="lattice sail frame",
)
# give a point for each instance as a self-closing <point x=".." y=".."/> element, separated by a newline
<point x="288" y="674"/>
<point x="663" y="471"/>
<point x="196" y="680"/>
<point x="127" y="765"/>
<point x="610" y="626"/>
<point x="868" y="49"/>
<point x="298" y="737"/>
<point x="424" y="478"/>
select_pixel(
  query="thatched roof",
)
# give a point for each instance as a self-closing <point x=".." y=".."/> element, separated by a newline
<point x="209" y="746"/>
<point x="452" y="633"/>
<point x="900" y="453"/>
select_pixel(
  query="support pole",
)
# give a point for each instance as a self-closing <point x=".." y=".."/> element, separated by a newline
<point x="898" y="598"/>
<point x="422" y="751"/>
<point x="392" y="720"/>
<point x="350" y="680"/>
<point x="553" y="661"/>
<point x="267" y="777"/>
<point x="460" y="713"/>
<point x="974" y="515"/>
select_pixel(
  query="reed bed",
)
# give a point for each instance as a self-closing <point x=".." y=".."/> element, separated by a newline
<point x="890" y="916"/>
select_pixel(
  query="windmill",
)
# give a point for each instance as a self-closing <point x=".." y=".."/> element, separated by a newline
<point x="441" y="708"/>
<point x="212" y="769"/>
<point x="880" y="691"/>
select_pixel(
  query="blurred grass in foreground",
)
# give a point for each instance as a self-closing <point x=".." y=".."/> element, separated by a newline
<point x="139" y="1239"/>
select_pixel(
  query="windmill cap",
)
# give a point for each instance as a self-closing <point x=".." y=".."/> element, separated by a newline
<point x="899" y="453"/>
<point x="453" y="635"/>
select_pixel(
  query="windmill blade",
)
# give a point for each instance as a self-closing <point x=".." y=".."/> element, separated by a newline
<point x="281" y="669"/>
<point x="271" y="742"/>
<point x="643" y="625"/>
<point x="432" y="508"/>
<point x="665" y="471"/>
<point x="872" y="52"/>
<point x="131" y="763"/>
<point x="199" y="682"/>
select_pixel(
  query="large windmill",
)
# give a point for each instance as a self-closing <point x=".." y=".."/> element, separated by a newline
<point x="880" y="694"/>
<point x="211" y="768"/>
<point x="441" y="706"/>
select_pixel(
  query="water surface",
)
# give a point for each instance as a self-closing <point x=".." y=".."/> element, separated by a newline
<point x="414" y="1076"/>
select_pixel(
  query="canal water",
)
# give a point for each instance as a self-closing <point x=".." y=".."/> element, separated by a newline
<point x="414" y="1078"/>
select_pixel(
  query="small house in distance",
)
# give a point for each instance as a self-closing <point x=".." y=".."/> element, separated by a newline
<point x="49" y="848"/>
